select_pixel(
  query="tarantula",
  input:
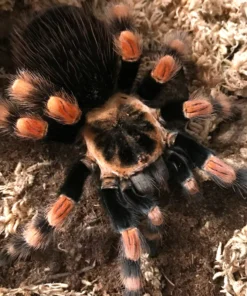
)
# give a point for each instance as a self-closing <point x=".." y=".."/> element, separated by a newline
<point x="80" y="75"/>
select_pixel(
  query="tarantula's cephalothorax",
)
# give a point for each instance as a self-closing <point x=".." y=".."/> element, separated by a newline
<point x="80" y="75"/>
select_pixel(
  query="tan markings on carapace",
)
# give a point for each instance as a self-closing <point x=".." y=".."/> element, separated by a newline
<point x="165" y="69"/>
<point x="4" y="113"/>
<point x="178" y="45"/>
<point x="197" y="107"/>
<point x="121" y="10"/>
<point x="220" y="169"/>
<point x="191" y="186"/>
<point x="59" y="211"/>
<point x="62" y="110"/>
<point x="110" y="112"/>
<point x="155" y="216"/>
<point x="129" y="44"/>
<point x="132" y="283"/>
<point x="131" y="244"/>
<point x="31" y="128"/>
<point x="33" y="236"/>
<point x="21" y="89"/>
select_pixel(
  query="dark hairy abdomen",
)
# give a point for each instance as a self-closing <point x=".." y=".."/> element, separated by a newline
<point x="72" y="49"/>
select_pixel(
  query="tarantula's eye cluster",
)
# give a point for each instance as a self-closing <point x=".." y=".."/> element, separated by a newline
<point x="78" y="75"/>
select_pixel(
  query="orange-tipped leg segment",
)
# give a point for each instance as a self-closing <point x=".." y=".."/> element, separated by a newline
<point x="129" y="44"/>
<point x="31" y="128"/>
<point x="63" y="111"/>
<point x="59" y="211"/>
<point x="155" y="216"/>
<point x="219" y="169"/>
<point x="197" y="108"/>
<point x="165" y="69"/>
<point x="131" y="244"/>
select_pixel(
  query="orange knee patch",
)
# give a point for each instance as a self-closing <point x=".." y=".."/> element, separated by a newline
<point x="132" y="283"/>
<point x="178" y="45"/>
<point x="166" y="68"/>
<point x="59" y="211"/>
<point x="131" y="244"/>
<point x="4" y="113"/>
<point x="120" y="11"/>
<point x="191" y="186"/>
<point x="197" y="107"/>
<point x="155" y="216"/>
<point x="220" y="169"/>
<point x="63" y="110"/>
<point x="129" y="46"/>
<point x="20" y="89"/>
<point x="33" y="236"/>
<point x="31" y="128"/>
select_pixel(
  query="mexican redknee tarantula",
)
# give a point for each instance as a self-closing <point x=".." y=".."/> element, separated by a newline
<point x="80" y="75"/>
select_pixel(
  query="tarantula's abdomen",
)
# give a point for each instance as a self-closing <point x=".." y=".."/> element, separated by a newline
<point x="70" y="49"/>
<point x="123" y="136"/>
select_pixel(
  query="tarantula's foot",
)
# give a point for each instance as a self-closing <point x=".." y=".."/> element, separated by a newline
<point x="219" y="170"/>
<point x="129" y="45"/>
<point x="120" y="11"/>
<point x="60" y="211"/>
<point x="32" y="128"/>
<point x="179" y="41"/>
<point x="63" y="110"/>
<point x="155" y="216"/>
<point x="38" y="233"/>
<point x="166" y="69"/>
<point x="191" y="186"/>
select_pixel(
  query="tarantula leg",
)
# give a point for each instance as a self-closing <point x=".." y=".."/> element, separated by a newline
<point x="130" y="50"/>
<point x="165" y="69"/>
<point x="35" y="92"/>
<point x="220" y="172"/>
<point x="166" y="83"/>
<point x="201" y="105"/>
<point x="182" y="173"/>
<point x="38" y="233"/>
<point x="125" y="222"/>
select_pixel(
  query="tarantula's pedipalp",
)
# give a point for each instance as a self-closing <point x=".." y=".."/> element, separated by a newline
<point x="182" y="172"/>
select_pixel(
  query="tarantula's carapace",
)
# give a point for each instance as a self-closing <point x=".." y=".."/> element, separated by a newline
<point x="80" y="76"/>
